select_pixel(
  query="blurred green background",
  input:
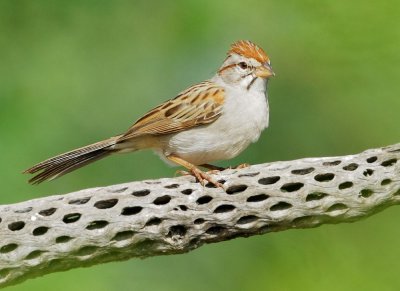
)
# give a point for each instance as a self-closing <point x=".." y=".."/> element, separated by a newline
<point x="74" y="72"/>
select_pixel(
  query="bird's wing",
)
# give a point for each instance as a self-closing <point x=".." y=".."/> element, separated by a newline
<point x="198" y="105"/>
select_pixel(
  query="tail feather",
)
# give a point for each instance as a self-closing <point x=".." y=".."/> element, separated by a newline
<point x="62" y="164"/>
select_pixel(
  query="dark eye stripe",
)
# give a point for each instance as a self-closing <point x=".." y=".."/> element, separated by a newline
<point x="242" y="65"/>
<point x="226" y="67"/>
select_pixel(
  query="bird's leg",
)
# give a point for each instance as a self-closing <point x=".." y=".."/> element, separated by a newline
<point x="199" y="174"/>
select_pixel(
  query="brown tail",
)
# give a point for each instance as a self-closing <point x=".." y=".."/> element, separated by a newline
<point x="62" y="164"/>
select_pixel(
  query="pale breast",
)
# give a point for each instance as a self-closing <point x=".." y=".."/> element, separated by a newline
<point x="245" y="115"/>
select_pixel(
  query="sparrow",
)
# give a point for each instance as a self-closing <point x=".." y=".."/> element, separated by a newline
<point x="210" y="121"/>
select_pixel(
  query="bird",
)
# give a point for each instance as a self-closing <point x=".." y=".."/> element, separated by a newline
<point x="210" y="121"/>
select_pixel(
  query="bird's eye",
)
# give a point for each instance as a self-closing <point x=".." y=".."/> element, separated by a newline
<point x="243" y="65"/>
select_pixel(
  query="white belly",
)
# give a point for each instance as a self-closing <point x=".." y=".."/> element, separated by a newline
<point x="241" y="123"/>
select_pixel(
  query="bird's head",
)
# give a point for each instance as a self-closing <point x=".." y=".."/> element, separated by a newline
<point x="246" y="65"/>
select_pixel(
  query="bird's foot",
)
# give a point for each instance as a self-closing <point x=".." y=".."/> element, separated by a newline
<point x="241" y="166"/>
<point x="202" y="177"/>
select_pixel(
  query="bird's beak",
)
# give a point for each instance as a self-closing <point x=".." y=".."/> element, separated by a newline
<point x="264" y="71"/>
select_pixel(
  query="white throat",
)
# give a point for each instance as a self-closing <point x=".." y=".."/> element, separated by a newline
<point x="249" y="84"/>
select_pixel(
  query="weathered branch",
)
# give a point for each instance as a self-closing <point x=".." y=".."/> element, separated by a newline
<point x="170" y="216"/>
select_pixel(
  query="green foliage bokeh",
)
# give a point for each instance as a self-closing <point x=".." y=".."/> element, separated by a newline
<point x="74" y="72"/>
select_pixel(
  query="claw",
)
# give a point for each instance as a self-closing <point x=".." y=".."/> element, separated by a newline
<point x="194" y="171"/>
<point x="202" y="177"/>
<point x="242" y="166"/>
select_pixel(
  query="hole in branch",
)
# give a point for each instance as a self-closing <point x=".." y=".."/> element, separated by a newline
<point x="247" y="219"/>
<point x="34" y="255"/>
<point x="153" y="221"/>
<point x="291" y="187"/>
<point x="280" y="206"/>
<point x="120" y="190"/>
<point x="257" y="198"/>
<point x="366" y="193"/>
<point x="389" y="163"/>
<point x="303" y="171"/>
<point x="183" y="207"/>
<point x="47" y="212"/>
<point x="86" y="251"/>
<point x="41" y="230"/>
<point x="123" y="235"/>
<point x="215" y="230"/>
<point x="224" y="208"/>
<point x="97" y="224"/>
<point x="141" y="193"/>
<point x="177" y="230"/>
<point x="79" y="201"/>
<point x="71" y="218"/>
<point x="315" y="196"/>
<point x="204" y="199"/>
<point x="131" y="210"/>
<point x="345" y="185"/>
<point x="63" y="239"/>
<point x="18" y="225"/>
<point x="187" y="191"/>
<point x="8" y="248"/>
<point x="25" y="210"/>
<point x="350" y="167"/>
<point x="105" y="204"/>
<point x="337" y="206"/>
<point x="249" y="174"/>
<point x="333" y="163"/>
<point x="199" y="221"/>
<point x="162" y="200"/>
<point x="236" y="189"/>
<point x="368" y="172"/>
<point x="307" y="220"/>
<point x="269" y="180"/>
<point x="324" y="177"/>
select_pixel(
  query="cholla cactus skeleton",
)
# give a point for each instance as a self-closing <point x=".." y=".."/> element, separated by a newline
<point x="169" y="216"/>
